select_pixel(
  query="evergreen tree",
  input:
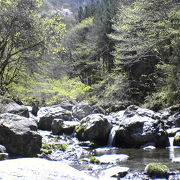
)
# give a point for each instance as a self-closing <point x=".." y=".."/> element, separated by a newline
<point x="147" y="33"/>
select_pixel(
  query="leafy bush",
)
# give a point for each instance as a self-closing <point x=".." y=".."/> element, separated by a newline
<point x="43" y="91"/>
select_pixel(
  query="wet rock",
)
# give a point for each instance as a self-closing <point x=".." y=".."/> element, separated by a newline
<point x="84" y="109"/>
<point x="9" y="106"/>
<point x="47" y="114"/>
<point x="2" y="149"/>
<point x="157" y="170"/>
<point x="3" y="156"/>
<point x="149" y="146"/>
<point x="176" y="141"/>
<point x="140" y="126"/>
<point x="171" y="132"/>
<point x="116" y="171"/>
<point x="59" y="126"/>
<point x="18" y="134"/>
<point x="34" y="168"/>
<point x="95" y="128"/>
<point x="112" y="158"/>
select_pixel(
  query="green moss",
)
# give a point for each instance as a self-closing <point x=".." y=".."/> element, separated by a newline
<point x="157" y="170"/>
<point x="47" y="148"/>
<point x="90" y="168"/>
<point x="80" y="128"/>
<point x="176" y="141"/>
<point x="88" y="144"/>
<point x="94" y="160"/>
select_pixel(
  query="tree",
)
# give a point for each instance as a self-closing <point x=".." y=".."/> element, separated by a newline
<point x="102" y="27"/>
<point x="25" y="37"/>
<point x="146" y="34"/>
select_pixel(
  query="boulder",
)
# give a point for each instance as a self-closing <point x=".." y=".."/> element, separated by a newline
<point x="112" y="158"/>
<point x="18" y="134"/>
<point x="36" y="168"/>
<point x="94" y="127"/>
<point x="3" y="156"/>
<point x="172" y="132"/>
<point x="9" y="106"/>
<point x="171" y="116"/>
<point x="176" y="141"/>
<point x="115" y="172"/>
<point x="59" y="126"/>
<point x="84" y="109"/>
<point x="140" y="126"/>
<point x="157" y="170"/>
<point x="47" y="114"/>
<point x="2" y="149"/>
<point x="68" y="105"/>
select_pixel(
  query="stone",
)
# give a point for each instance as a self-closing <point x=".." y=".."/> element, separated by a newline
<point x="94" y="127"/>
<point x="117" y="172"/>
<point x="68" y="105"/>
<point x="148" y="146"/>
<point x="112" y="158"/>
<point x="171" y="132"/>
<point x="47" y="114"/>
<point x="59" y="126"/>
<point x="83" y="109"/>
<point x="176" y="141"/>
<point x="18" y="134"/>
<point x="2" y="149"/>
<point x="9" y="106"/>
<point x="157" y="170"/>
<point x="140" y="126"/>
<point x="3" y="156"/>
<point x="36" y="168"/>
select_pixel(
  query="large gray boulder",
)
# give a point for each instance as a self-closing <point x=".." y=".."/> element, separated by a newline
<point x="140" y="126"/>
<point x="46" y="115"/>
<point x="59" y="126"/>
<point x="35" y="168"/>
<point x="18" y="134"/>
<point x="9" y="106"/>
<point x="94" y="127"/>
<point x="171" y="116"/>
<point x="83" y="109"/>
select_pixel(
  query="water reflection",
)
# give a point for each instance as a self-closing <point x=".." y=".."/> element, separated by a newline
<point x="139" y="158"/>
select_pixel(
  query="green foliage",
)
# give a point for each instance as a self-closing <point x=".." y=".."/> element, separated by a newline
<point x="47" y="91"/>
<point x="157" y="170"/>
<point x="25" y="37"/>
<point x="145" y="38"/>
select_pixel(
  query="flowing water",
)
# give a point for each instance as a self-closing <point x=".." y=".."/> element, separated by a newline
<point x="112" y="135"/>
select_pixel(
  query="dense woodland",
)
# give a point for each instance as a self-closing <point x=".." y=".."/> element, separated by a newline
<point x="110" y="52"/>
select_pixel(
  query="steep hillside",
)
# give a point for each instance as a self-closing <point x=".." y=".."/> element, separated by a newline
<point x="66" y="7"/>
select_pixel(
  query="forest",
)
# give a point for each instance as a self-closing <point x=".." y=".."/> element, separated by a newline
<point x="111" y="53"/>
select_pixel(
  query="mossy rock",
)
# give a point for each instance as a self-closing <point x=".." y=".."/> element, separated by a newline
<point x="176" y="141"/>
<point x="157" y="170"/>
<point x="93" y="160"/>
<point x="89" y="144"/>
<point x="79" y="129"/>
<point x="49" y="147"/>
